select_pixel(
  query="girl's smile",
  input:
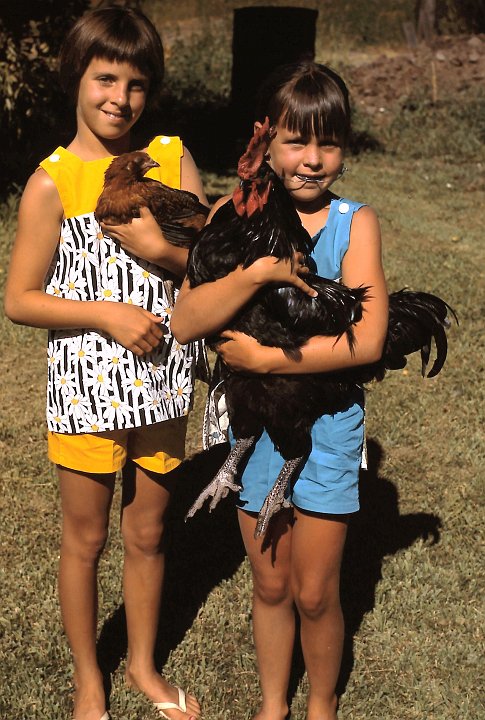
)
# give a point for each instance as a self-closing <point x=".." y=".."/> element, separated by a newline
<point x="111" y="98"/>
<point x="307" y="165"/>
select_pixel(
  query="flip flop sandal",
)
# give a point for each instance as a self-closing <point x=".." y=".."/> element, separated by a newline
<point x="182" y="706"/>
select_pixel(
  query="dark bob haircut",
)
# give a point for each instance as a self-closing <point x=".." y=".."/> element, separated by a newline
<point x="116" y="34"/>
<point x="306" y="98"/>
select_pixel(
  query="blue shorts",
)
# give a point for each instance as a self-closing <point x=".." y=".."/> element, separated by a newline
<point x="329" y="480"/>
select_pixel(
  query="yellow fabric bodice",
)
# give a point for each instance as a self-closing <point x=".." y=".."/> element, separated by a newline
<point x="80" y="182"/>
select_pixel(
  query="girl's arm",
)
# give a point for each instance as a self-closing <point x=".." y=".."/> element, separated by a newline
<point x="143" y="237"/>
<point x="39" y="220"/>
<point x="207" y="308"/>
<point x="362" y="265"/>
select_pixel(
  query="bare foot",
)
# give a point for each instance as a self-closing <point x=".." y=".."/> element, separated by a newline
<point x="319" y="710"/>
<point x="158" y="690"/>
<point x="89" y="698"/>
<point x="271" y="712"/>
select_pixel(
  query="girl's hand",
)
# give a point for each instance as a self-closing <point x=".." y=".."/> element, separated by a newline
<point x="243" y="353"/>
<point x="142" y="237"/>
<point x="133" y="327"/>
<point x="283" y="272"/>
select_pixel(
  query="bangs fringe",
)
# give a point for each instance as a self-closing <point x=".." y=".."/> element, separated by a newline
<point x="308" y="116"/>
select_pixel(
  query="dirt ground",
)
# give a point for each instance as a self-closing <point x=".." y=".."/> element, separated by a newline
<point x="452" y="66"/>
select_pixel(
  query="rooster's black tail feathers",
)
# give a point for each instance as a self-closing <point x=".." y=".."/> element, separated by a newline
<point x="415" y="320"/>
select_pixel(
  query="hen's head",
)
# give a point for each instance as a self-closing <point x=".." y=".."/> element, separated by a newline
<point x="130" y="166"/>
<point x="253" y="191"/>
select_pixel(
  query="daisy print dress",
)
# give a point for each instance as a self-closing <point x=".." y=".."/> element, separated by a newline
<point x="94" y="383"/>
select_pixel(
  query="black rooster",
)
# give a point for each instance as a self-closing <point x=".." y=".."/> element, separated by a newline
<point x="179" y="213"/>
<point x="261" y="220"/>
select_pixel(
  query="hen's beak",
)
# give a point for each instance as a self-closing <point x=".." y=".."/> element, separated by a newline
<point x="149" y="164"/>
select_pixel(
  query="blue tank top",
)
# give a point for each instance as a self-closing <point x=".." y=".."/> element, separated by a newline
<point x="332" y="242"/>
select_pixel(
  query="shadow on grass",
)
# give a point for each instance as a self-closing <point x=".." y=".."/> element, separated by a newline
<point x="377" y="531"/>
<point x="209" y="549"/>
<point x="200" y="554"/>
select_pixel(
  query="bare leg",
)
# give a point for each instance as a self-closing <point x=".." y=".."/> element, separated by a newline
<point x="85" y="503"/>
<point x="317" y="547"/>
<point x="146" y="496"/>
<point x="273" y="611"/>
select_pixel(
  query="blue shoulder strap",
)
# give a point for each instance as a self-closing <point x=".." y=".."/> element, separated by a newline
<point x="332" y="242"/>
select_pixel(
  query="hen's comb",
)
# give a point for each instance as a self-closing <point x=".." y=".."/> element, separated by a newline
<point x="250" y="161"/>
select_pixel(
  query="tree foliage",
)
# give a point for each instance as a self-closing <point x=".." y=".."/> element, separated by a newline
<point x="30" y="97"/>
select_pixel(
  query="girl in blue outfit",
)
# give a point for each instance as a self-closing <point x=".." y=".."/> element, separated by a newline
<point x="118" y="386"/>
<point x="308" y="105"/>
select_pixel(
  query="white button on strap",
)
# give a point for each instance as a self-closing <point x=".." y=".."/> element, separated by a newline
<point x="343" y="208"/>
<point x="54" y="157"/>
<point x="165" y="140"/>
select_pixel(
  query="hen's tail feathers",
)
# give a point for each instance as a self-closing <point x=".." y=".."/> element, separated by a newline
<point x="415" y="320"/>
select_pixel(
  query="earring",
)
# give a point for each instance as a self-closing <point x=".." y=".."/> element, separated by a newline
<point x="343" y="170"/>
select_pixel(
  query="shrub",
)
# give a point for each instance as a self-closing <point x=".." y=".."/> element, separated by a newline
<point x="30" y="38"/>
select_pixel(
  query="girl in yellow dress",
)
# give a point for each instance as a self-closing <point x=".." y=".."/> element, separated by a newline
<point x="119" y="385"/>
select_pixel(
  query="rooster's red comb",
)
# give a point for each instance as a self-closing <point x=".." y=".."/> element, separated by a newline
<point x="251" y="160"/>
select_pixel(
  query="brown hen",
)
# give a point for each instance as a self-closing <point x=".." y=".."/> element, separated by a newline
<point x="179" y="213"/>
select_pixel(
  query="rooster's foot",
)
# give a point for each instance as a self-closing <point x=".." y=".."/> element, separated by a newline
<point x="224" y="481"/>
<point x="275" y="500"/>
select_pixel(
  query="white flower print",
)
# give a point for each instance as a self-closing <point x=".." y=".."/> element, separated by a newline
<point x="177" y="349"/>
<point x="98" y="379"/>
<point x="143" y="277"/>
<point x="153" y="401"/>
<point x="65" y="240"/>
<point x="77" y="405"/>
<point x="181" y="392"/>
<point x="65" y="382"/>
<point x="84" y="258"/>
<point x="136" y="380"/>
<point x="93" y="234"/>
<point x="82" y="349"/>
<point x="55" y="420"/>
<point x="92" y="424"/>
<point x="112" y="262"/>
<point x="54" y="355"/>
<point x="113" y="357"/>
<point x="135" y="298"/>
<point x="163" y="309"/>
<point x="109" y="291"/>
<point x="53" y="289"/>
<point x="156" y="370"/>
<point x="114" y="410"/>
<point x="73" y="288"/>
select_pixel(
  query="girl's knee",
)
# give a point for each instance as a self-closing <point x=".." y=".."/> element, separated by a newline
<point x="86" y="543"/>
<point x="145" y="539"/>
<point x="273" y="591"/>
<point x="314" y="603"/>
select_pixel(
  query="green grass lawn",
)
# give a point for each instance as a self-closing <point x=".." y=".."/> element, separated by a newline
<point x="413" y="573"/>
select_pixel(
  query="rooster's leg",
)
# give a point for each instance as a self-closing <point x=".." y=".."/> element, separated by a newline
<point x="224" y="480"/>
<point x="168" y="285"/>
<point x="275" y="499"/>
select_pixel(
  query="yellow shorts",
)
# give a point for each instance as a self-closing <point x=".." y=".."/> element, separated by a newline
<point x="159" y="448"/>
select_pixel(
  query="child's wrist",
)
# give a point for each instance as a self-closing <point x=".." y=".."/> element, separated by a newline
<point x="267" y="360"/>
<point x="260" y="270"/>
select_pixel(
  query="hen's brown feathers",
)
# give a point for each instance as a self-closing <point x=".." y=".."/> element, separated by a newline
<point x="178" y="212"/>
